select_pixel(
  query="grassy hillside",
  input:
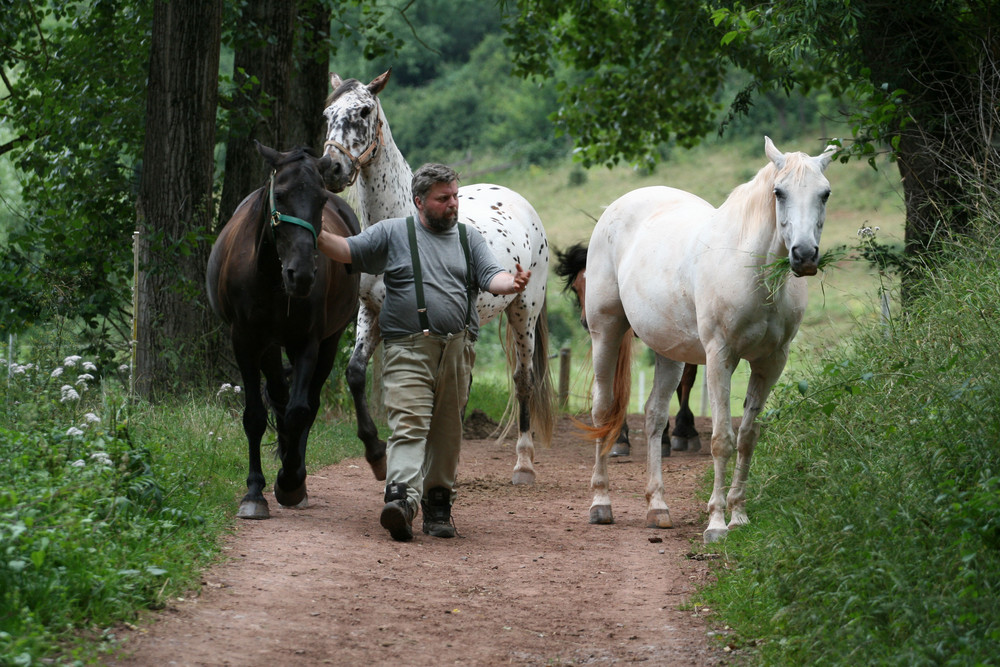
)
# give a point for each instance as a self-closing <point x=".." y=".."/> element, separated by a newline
<point x="570" y="199"/>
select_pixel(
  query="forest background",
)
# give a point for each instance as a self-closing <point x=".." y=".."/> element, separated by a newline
<point x="112" y="502"/>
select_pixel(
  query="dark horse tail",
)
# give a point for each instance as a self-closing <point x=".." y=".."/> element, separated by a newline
<point x="612" y="421"/>
<point x="569" y="263"/>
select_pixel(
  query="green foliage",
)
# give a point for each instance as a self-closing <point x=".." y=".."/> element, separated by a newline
<point x="79" y="110"/>
<point x="641" y="74"/>
<point x="876" y="505"/>
<point x="474" y="107"/>
<point x="108" y="507"/>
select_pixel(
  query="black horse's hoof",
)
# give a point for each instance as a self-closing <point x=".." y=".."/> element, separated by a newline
<point x="379" y="468"/>
<point x="295" y="498"/>
<point x="620" y="449"/>
<point x="682" y="444"/>
<point x="253" y="509"/>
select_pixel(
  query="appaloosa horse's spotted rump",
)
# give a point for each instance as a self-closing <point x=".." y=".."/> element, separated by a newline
<point x="360" y="143"/>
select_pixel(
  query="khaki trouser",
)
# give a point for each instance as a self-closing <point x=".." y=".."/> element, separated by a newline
<point x="426" y="386"/>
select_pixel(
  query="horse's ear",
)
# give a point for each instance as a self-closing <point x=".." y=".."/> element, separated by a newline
<point x="335" y="80"/>
<point x="827" y="155"/>
<point x="378" y="83"/>
<point x="773" y="154"/>
<point x="269" y="154"/>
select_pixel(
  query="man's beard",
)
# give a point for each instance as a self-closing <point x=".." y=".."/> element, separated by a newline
<point x="443" y="223"/>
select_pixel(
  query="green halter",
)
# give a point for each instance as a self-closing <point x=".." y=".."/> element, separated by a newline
<point x="278" y="218"/>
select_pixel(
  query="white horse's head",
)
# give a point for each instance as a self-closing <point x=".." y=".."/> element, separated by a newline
<point x="353" y="128"/>
<point x="800" y="194"/>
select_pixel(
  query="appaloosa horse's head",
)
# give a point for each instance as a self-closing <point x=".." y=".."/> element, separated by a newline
<point x="295" y="199"/>
<point x="354" y="127"/>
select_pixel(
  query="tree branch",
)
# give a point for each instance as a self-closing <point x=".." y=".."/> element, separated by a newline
<point x="9" y="146"/>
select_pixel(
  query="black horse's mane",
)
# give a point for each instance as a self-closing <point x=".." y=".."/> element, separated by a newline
<point x="569" y="263"/>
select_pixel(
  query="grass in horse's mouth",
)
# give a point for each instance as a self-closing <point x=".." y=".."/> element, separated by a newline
<point x="775" y="273"/>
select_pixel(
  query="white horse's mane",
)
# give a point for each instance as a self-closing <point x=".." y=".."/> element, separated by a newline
<point x="751" y="204"/>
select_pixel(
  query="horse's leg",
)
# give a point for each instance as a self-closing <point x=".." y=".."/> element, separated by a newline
<point x="763" y="375"/>
<point x="719" y="372"/>
<point x="253" y="505"/>
<point x="605" y="344"/>
<point x="685" y="436"/>
<point x="299" y="412"/>
<point x="522" y="324"/>
<point x="623" y="446"/>
<point x="366" y="340"/>
<point x="666" y="373"/>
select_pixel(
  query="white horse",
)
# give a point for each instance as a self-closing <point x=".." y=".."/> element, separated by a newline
<point x="360" y="143"/>
<point x="689" y="280"/>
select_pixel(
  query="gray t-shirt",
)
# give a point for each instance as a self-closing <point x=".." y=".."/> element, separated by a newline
<point x="385" y="248"/>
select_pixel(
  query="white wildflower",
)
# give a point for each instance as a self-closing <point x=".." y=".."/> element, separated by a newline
<point x="84" y="378"/>
<point x="56" y="372"/>
<point x="237" y="389"/>
<point x="68" y="394"/>
<point x="89" y="366"/>
<point x="91" y="418"/>
<point x="123" y="368"/>
<point x="79" y="463"/>
<point x="18" y="369"/>
<point x="72" y="430"/>
<point x="866" y="232"/>
<point x="72" y="360"/>
<point x="101" y="458"/>
<point x="225" y="388"/>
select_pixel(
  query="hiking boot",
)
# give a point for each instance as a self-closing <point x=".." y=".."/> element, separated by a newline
<point x="397" y="515"/>
<point x="437" y="513"/>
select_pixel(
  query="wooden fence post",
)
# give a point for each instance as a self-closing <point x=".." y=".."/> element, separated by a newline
<point x="564" y="357"/>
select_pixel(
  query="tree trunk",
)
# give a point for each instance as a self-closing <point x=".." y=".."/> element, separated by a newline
<point x="925" y="48"/>
<point x="175" y="194"/>
<point x="260" y="110"/>
<point x="311" y="76"/>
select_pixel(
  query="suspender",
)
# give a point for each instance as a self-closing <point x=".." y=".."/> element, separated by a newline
<point x="418" y="278"/>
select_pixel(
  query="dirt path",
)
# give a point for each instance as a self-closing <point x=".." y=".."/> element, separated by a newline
<point x="528" y="581"/>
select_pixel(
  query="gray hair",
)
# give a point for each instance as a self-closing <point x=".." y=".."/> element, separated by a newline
<point x="427" y="175"/>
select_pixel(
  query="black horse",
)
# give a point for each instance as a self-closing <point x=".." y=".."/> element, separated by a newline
<point x="571" y="266"/>
<point x="267" y="281"/>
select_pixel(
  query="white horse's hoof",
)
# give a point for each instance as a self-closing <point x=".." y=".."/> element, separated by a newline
<point x="715" y="535"/>
<point x="601" y="514"/>
<point x="658" y="519"/>
<point x="523" y="477"/>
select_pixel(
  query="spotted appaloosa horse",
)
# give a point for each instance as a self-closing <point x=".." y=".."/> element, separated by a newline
<point x="360" y="143"/>
<point x="691" y="282"/>
<point x="265" y="281"/>
<point x="571" y="266"/>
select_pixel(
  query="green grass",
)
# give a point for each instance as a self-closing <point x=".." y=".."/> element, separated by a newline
<point x="875" y="494"/>
<point x="109" y="507"/>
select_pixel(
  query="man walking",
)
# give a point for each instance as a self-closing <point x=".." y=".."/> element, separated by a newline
<point x="433" y="270"/>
